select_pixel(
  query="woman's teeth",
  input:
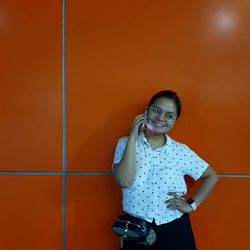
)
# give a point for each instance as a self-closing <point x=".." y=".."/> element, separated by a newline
<point x="159" y="124"/>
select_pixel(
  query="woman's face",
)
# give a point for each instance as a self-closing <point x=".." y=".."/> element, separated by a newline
<point x="162" y="115"/>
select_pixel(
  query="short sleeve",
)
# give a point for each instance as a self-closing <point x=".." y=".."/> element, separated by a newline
<point x="194" y="165"/>
<point x="119" y="151"/>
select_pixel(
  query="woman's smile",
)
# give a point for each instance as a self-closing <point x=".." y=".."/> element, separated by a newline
<point x="159" y="124"/>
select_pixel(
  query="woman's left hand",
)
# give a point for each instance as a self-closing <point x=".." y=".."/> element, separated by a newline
<point x="179" y="203"/>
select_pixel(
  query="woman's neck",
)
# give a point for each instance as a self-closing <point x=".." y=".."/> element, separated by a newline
<point x="154" y="139"/>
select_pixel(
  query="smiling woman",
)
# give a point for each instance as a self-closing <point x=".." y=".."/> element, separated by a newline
<point x="161" y="115"/>
<point x="150" y="167"/>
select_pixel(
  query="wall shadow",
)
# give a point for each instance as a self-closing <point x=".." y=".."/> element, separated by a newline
<point x="96" y="152"/>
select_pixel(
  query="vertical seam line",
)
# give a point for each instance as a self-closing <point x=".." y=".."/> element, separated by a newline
<point x="64" y="159"/>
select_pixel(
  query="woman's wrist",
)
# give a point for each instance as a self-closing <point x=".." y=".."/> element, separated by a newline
<point x="192" y="203"/>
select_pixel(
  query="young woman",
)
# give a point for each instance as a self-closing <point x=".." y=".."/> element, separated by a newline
<point x="150" y="167"/>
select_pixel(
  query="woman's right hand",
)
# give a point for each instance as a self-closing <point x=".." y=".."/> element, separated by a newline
<point x="137" y="124"/>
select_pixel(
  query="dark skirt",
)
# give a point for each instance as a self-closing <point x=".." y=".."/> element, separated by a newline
<point x="175" y="235"/>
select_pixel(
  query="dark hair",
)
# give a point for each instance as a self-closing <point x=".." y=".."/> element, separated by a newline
<point x="170" y="95"/>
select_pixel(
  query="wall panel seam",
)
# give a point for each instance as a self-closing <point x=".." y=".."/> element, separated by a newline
<point x="64" y="141"/>
<point x="65" y="173"/>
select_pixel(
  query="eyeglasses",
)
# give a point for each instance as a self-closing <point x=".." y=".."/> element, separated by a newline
<point x="170" y="116"/>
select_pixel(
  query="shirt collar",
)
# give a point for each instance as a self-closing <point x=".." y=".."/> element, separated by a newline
<point x="166" y="145"/>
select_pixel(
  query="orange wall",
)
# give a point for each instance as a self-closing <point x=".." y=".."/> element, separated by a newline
<point x="118" y="53"/>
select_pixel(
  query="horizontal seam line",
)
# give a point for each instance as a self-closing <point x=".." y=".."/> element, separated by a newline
<point x="54" y="173"/>
<point x="90" y="173"/>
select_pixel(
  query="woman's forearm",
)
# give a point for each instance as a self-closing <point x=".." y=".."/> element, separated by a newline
<point x="124" y="171"/>
<point x="209" y="179"/>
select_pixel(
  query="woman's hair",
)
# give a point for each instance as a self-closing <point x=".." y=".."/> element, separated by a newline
<point x="170" y="95"/>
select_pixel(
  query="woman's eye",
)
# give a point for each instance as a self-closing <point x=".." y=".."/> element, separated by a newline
<point x="170" y="116"/>
<point x="157" y="111"/>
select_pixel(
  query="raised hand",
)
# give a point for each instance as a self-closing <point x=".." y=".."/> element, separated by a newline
<point x="138" y="125"/>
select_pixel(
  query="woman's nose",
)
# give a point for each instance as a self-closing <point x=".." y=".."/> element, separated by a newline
<point x="161" y="116"/>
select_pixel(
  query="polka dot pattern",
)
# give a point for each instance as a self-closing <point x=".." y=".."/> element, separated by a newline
<point x="158" y="172"/>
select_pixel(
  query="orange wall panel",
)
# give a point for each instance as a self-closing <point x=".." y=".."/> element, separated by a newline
<point x="31" y="212"/>
<point x="93" y="202"/>
<point x="222" y="221"/>
<point x="120" y="53"/>
<point x="30" y="103"/>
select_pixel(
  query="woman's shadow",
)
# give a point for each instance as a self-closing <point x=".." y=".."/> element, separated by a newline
<point x="93" y="199"/>
<point x="96" y="152"/>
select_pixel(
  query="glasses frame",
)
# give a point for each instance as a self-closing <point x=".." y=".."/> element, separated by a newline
<point x="168" y="115"/>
